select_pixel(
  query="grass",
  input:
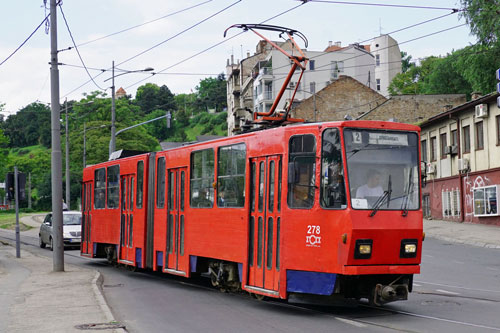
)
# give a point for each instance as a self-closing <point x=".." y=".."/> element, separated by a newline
<point x="8" y="221"/>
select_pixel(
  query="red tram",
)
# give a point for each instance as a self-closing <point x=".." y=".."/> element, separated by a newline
<point x="310" y="212"/>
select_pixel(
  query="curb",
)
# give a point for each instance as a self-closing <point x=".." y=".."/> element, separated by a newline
<point x="96" y="287"/>
<point x="466" y="242"/>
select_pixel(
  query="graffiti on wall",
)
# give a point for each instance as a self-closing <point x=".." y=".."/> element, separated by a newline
<point x="469" y="184"/>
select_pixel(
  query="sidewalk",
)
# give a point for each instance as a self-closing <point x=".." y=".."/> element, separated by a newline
<point x="464" y="233"/>
<point x="33" y="298"/>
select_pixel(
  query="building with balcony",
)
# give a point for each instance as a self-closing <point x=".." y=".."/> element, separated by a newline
<point x="460" y="153"/>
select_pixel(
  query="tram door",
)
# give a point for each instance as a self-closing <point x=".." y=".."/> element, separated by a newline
<point x="127" y="219"/>
<point x="86" y="217"/>
<point x="265" y="219"/>
<point x="176" y="203"/>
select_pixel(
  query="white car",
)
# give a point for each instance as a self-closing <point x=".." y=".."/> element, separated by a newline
<point x="72" y="229"/>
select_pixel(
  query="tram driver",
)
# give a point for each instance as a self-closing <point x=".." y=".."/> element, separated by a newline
<point x="372" y="188"/>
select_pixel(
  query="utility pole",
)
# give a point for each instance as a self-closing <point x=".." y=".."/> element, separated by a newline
<point x="84" y="143"/>
<point x="29" y="190"/>
<point x="56" y="164"/>
<point x="16" y="193"/>
<point x="112" y="146"/>
<point x="67" y="157"/>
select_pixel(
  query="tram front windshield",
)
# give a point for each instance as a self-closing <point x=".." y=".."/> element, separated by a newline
<point x="382" y="169"/>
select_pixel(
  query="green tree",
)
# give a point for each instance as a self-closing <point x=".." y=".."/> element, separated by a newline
<point x="483" y="17"/>
<point x="150" y="97"/>
<point x="211" y="93"/>
<point x="30" y="126"/>
<point x="406" y="63"/>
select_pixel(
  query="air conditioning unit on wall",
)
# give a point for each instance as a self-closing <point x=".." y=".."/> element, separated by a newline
<point x="451" y="150"/>
<point x="431" y="169"/>
<point x="463" y="164"/>
<point x="481" y="111"/>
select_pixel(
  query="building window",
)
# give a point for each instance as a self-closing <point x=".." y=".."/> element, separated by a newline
<point x="423" y="149"/>
<point x="466" y="138"/>
<point x="202" y="178"/>
<point x="454" y="138"/>
<point x="485" y="200"/>
<point x="377" y="60"/>
<point x="498" y="130"/>
<point x="433" y="149"/>
<point x="312" y="87"/>
<point x="444" y="143"/>
<point x="479" y="136"/>
<point x="311" y="65"/>
<point x="231" y="176"/>
<point x="378" y="84"/>
<point x="451" y="203"/>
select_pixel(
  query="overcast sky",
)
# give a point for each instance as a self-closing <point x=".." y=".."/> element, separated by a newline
<point x="24" y="78"/>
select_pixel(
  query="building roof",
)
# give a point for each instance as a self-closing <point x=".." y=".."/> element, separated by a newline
<point x="465" y="106"/>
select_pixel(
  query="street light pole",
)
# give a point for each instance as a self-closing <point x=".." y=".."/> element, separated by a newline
<point x="67" y="157"/>
<point x="56" y="165"/>
<point x="112" y="142"/>
<point x="112" y="146"/>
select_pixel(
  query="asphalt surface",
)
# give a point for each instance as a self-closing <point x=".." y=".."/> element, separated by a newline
<point x="458" y="291"/>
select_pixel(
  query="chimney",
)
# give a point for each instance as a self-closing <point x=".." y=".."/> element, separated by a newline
<point x="475" y="95"/>
<point x="232" y="59"/>
<point x="248" y="54"/>
<point x="330" y="43"/>
<point x="339" y="44"/>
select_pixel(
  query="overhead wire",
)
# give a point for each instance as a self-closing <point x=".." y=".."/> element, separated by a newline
<point x="25" y="41"/>
<point x="381" y="5"/>
<point x="76" y="48"/>
<point x="168" y="39"/>
<point x="144" y="23"/>
<point x="215" y="45"/>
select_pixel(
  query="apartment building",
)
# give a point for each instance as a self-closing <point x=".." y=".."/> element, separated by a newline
<point x="460" y="153"/>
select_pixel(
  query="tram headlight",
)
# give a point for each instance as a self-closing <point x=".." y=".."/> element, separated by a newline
<point x="408" y="248"/>
<point x="363" y="249"/>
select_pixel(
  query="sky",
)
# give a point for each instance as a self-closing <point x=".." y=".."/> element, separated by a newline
<point x="184" y="40"/>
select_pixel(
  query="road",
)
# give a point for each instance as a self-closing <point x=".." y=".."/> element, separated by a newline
<point x="458" y="291"/>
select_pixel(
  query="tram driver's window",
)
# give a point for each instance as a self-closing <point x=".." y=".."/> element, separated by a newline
<point x="332" y="188"/>
<point x="99" y="188"/>
<point x="301" y="171"/>
<point x="113" y="186"/>
<point x="202" y="179"/>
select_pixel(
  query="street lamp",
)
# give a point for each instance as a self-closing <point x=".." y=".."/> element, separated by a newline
<point x="67" y="149"/>
<point x="112" y="144"/>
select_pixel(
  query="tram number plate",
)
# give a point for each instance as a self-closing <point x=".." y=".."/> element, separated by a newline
<point x="313" y="238"/>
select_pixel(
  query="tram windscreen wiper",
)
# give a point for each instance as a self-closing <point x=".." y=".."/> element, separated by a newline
<point x="385" y="196"/>
<point x="406" y="199"/>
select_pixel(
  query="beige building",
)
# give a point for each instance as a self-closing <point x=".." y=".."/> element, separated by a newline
<point x="461" y="155"/>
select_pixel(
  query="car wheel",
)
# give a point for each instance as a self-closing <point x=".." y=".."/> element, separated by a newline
<point x="42" y="244"/>
<point x="51" y="244"/>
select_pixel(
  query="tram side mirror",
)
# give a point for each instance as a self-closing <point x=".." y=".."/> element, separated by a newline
<point x="293" y="173"/>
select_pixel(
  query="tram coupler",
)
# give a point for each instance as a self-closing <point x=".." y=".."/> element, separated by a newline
<point x="389" y="293"/>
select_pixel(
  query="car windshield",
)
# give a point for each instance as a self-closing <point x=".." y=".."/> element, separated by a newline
<point x="72" y="219"/>
<point x="383" y="169"/>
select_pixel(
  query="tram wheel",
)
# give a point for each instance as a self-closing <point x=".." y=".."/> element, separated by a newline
<point x="259" y="297"/>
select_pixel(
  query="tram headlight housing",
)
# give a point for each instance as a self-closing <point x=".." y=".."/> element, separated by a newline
<point x="363" y="249"/>
<point x="408" y="248"/>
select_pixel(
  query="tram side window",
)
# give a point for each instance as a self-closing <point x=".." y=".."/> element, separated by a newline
<point x="140" y="182"/>
<point x="301" y="171"/>
<point x="231" y="176"/>
<point x="332" y="189"/>
<point x="202" y="178"/>
<point x="99" y="188"/>
<point x="160" y="182"/>
<point x="113" y="186"/>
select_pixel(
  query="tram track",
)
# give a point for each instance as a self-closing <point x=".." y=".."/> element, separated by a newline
<point x="360" y="320"/>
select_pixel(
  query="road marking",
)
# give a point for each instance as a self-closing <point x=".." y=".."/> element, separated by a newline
<point x="458" y="287"/>
<point x="428" y="256"/>
<point x="492" y="268"/>
<point x="417" y="285"/>
<point x="459" y="262"/>
<point x="447" y="292"/>
<point x="350" y="322"/>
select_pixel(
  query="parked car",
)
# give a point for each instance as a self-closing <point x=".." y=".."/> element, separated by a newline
<point x="72" y="230"/>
